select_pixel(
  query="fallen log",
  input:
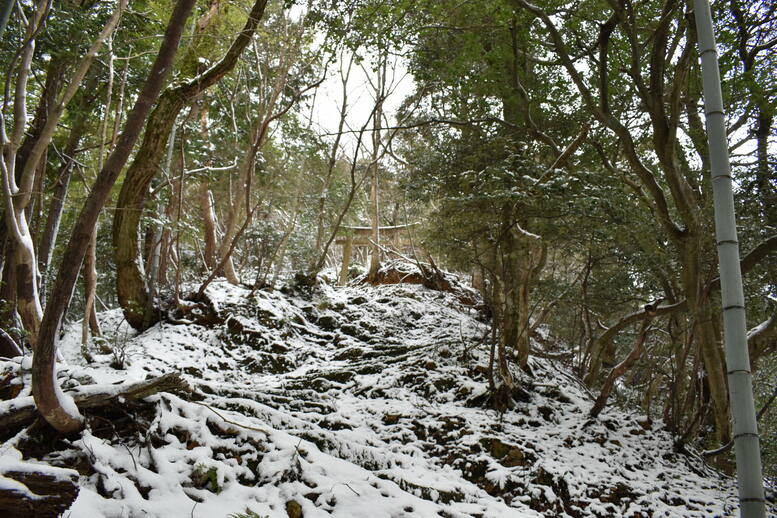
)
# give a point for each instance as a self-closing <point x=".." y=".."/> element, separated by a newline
<point x="20" y="412"/>
<point x="33" y="493"/>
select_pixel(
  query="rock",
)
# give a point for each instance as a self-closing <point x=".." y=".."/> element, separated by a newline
<point x="495" y="447"/>
<point x="390" y="419"/>
<point x="339" y="376"/>
<point x="515" y="457"/>
<point x="352" y="353"/>
<point x="354" y="331"/>
<point x="327" y="322"/>
<point x="293" y="509"/>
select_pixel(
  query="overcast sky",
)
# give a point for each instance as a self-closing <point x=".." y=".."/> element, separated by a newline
<point x="361" y="98"/>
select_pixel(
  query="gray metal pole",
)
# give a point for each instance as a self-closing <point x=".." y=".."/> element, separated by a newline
<point x="746" y="447"/>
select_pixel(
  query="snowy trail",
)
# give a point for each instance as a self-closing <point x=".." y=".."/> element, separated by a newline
<point x="357" y="402"/>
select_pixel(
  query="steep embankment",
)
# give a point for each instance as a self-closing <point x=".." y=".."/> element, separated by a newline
<point x="354" y="402"/>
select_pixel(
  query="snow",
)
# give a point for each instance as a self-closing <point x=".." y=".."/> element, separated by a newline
<point x="355" y="401"/>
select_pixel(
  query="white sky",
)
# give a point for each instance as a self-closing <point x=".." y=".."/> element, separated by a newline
<point x="361" y="99"/>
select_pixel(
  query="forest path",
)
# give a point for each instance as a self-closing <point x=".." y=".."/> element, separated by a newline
<point x="360" y="401"/>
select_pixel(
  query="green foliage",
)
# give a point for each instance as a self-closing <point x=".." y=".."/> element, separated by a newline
<point x="203" y="476"/>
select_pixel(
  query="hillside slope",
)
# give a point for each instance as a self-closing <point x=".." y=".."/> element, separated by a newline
<point x="353" y="402"/>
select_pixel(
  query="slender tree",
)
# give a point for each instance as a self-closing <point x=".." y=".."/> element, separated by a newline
<point x="19" y="193"/>
<point x="59" y="410"/>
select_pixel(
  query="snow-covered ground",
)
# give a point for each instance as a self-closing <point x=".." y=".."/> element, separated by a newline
<point x="355" y="402"/>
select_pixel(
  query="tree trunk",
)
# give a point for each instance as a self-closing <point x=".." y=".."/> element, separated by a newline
<point x="694" y="285"/>
<point x="517" y="262"/>
<point x="53" y="405"/>
<point x="166" y="243"/>
<point x="767" y="189"/>
<point x="27" y="299"/>
<point x="506" y="326"/>
<point x="90" y="322"/>
<point x="283" y="245"/>
<point x="377" y="122"/>
<point x="209" y="222"/>
<point x="23" y="414"/>
<point x="149" y="316"/>
<point x="225" y="266"/>
<point x="375" y="223"/>
<point x="17" y="187"/>
<point x="327" y="182"/>
<point x="54" y="76"/>
<point x="130" y="286"/>
<point x="48" y="238"/>
<point x="5" y="14"/>
<point x="621" y="369"/>
<point x="259" y="133"/>
<point x="532" y="255"/>
<point x="8" y="293"/>
<point x="130" y="274"/>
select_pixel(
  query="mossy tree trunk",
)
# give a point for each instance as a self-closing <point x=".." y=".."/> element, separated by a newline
<point x="131" y="288"/>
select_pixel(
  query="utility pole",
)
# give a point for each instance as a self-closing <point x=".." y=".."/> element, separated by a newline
<point x="746" y="444"/>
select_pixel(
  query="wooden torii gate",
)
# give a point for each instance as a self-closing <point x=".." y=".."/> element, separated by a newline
<point x="393" y="237"/>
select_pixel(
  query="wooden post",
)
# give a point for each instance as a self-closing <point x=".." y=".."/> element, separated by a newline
<point x="347" y="247"/>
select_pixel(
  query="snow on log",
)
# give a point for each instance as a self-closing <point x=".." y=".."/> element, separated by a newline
<point x="15" y="414"/>
<point x="43" y="493"/>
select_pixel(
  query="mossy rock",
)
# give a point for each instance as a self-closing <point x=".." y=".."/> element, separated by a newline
<point x="515" y="457"/>
<point x="444" y="384"/>
<point x="370" y="368"/>
<point x="508" y="455"/>
<point x="268" y="319"/>
<point x="339" y="376"/>
<point x="294" y="509"/>
<point x="369" y="327"/>
<point x="320" y="384"/>
<point x="354" y="331"/>
<point x="261" y="363"/>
